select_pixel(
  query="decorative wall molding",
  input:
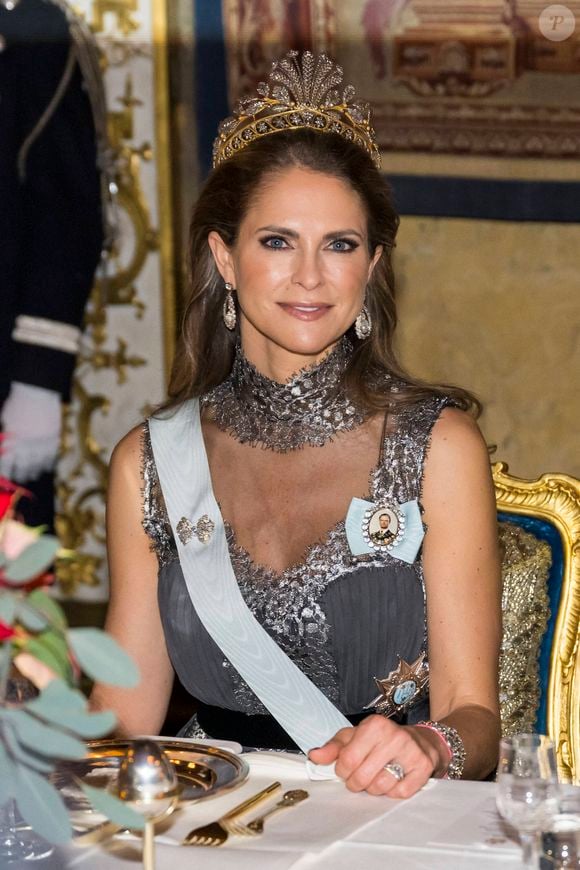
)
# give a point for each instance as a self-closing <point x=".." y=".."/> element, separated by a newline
<point x="129" y="336"/>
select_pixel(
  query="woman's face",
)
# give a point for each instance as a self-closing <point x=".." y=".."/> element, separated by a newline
<point x="300" y="267"/>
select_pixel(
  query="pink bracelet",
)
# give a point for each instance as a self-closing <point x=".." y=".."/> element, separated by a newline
<point x="453" y="744"/>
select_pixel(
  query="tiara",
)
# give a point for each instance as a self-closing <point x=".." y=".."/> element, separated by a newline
<point x="301" y="93"/>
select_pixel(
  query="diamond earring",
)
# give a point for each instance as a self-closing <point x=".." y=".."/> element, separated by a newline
<point x="363" y="324"/>
<point x="229" y="309"/>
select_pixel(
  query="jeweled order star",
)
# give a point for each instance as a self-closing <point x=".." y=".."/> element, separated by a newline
<point x="416" y="673"/>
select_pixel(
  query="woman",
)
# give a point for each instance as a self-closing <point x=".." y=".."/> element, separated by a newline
<point x="307" y="416"/>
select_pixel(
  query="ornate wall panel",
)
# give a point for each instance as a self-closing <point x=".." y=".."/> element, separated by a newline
<point x="480" y="141"/>
<point x="495" y="82"/>
<point x="128" y="341"/>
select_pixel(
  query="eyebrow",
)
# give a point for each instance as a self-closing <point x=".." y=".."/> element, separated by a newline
<point x="285" y="231"/>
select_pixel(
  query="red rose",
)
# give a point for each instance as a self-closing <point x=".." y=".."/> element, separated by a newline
<point x="6" y="631"/>
<point x="5" y="502"/>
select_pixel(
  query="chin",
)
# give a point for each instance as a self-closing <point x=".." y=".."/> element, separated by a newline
<point x="309" y="345"/>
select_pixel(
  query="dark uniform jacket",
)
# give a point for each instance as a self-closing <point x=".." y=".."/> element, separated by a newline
<point x="51" y="228"/>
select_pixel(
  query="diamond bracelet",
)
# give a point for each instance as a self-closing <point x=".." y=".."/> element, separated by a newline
<point x="454" y="744"/>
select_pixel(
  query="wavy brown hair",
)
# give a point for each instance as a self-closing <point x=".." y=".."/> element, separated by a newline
<point x="206" y="348"/>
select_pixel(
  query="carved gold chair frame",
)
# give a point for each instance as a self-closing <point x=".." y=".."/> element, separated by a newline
<point x="555" y="499"/>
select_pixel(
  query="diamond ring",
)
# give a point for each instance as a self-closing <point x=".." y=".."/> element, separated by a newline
<point x="395" y="770"/>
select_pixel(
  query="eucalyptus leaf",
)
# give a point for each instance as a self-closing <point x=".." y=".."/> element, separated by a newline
<point x="51" y="649"/>
<point x="30" y="617"/>
<point x="3" y="560"/>
<point x="6" y="775"/>
<point x="90" y="725"/>
<point x="5" y="661"/>
<point x="24" y="755"/>
<point x="49" y="607"/>
<point x="42" y="807"/>
<point x="57" y="699"/>
<point x="57" y="695"/>
<point x="35" y="559"/>
<point x="45" y="739"/>
<point x="102" y="658"/>
<point x="116" y="810"/>
<point x="68" y="707"/>
<point x="7" y="607"/>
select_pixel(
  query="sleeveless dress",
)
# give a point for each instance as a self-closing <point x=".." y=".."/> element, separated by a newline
<point x="345" y="620"/>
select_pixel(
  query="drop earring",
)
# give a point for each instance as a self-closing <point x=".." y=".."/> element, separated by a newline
<point x="363" y="324"/>
<point x="229" y="309"/>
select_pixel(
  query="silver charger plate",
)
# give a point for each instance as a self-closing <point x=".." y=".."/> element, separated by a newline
<point x="202" y="771"/>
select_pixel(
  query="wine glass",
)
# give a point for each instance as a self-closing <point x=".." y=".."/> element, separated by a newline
<point x="18" y="841"/>
<point x="527" y="788"/>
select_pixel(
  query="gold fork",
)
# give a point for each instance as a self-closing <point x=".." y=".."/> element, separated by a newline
<point x="216" y="833"/>
<point x="256" y="826"/>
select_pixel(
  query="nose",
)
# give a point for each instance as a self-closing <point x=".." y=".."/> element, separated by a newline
<point x="307" y="271"/>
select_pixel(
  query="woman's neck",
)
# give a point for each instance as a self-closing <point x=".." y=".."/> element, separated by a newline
<point x="275" y="362"/>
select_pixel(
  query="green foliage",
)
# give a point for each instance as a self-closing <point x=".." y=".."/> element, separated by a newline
<point x="36" y="734"/>
<point x="6" y="775"/>
<point x="34" y="560"/>
<point x="113" y="808"/>
<point x="102" y="658"/>
<point x="67" y="708"/>
<point x="41" y="738"/>
<point x="48" y="607"/>
<point x="29" y="616"/>
<point x="50" y="647"/>
<point x="41" y="806"/>
<point x="7" y="607"/>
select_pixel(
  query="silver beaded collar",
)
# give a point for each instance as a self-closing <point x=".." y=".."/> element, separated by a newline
<point x="309" y="409"/>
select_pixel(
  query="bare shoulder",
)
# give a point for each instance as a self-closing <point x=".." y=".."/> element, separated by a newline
<point x="457" y="466"/>
<point x="126" y="457"/>
<point x="456" y="441"/>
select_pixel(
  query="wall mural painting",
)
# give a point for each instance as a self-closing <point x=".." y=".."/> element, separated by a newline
<point x="498" y="77"/>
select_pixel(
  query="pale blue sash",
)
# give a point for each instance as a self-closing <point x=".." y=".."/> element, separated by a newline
<point x="298" y="705"/>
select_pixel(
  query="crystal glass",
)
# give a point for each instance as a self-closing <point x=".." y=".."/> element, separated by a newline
<point x="18" y="842"/>
<point x="527" y="789"/>
<point x="561" y="844"/>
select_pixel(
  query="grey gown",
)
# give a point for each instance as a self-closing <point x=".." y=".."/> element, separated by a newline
<point x="344" y="620"/>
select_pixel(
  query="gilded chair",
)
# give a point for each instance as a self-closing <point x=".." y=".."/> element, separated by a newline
<point x="540" y="661"/>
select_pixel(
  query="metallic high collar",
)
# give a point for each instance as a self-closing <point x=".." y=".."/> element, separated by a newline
<point x="310" y="408"/>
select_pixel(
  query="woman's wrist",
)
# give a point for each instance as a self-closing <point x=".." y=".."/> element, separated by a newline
<point x="451" y="748"/>
<point x="434" y="748"/>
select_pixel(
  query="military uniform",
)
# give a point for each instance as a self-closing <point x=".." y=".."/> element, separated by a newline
<point x="51" y="213"/>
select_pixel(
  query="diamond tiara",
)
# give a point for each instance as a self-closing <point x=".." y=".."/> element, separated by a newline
<point x="302" y="93"/>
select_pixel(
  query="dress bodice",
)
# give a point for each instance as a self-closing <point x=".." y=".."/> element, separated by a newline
<point x="343" y="619"/>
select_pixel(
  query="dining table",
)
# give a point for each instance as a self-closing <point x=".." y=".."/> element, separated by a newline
<point x="448" y="824"/>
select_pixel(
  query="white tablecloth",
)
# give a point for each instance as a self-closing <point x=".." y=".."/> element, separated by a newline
<point x="451" y="825"/>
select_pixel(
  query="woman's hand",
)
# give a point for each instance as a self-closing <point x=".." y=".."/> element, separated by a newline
<point x="361" y="753"/>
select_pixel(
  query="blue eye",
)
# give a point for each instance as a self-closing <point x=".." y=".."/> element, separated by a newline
<point x="343" y="246"/>
<point x="275" y="242"/>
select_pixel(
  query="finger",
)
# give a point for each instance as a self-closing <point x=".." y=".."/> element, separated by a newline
<point x="410" y="784"/>
<point x="329" y="752"/>
<point x="370" y="769"/>
<point x="373" y="733"/>
<point x="417" y="767"/>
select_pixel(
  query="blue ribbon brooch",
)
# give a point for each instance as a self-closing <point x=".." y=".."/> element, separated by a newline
<point x="396" y="529"/>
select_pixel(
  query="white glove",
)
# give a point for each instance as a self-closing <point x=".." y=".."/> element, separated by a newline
<point x="31" y="421"/>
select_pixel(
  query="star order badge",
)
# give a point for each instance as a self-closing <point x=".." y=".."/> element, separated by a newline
<point x="401" y="687"/>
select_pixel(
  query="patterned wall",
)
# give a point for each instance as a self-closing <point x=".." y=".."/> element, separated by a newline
<point x="485" y="173"/>
<point x="130" y="322"/>
<point x="478" y="117"/>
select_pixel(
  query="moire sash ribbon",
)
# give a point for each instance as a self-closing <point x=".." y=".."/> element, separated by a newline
<point x="298" y="705"/>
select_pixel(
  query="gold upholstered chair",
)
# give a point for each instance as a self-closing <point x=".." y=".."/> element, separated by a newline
<point x="539" y="523"/>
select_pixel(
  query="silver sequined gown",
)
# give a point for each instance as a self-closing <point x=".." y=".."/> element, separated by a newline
<point x="344" y="620"/>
